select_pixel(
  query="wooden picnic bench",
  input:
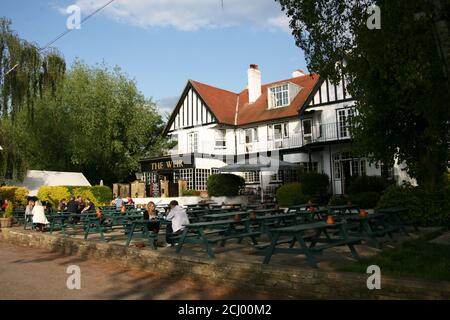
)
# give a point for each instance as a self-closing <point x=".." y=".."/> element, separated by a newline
<point x="371" y="227"/>
<point x="298" y="233"/>
<point x="400" y="218"/>
<point x="224" y="230"/>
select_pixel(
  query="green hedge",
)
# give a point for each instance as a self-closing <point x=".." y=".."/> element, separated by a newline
<point x="366" y="200"/>
<point x="427" y="208"/>
<point x="100" y="195"/>
<point x="291" y="194"/>
<point x="16" y="195"/>
<point x="362" y="184"/>
<point x="315" y="184"/>
<point x="225" y="185"/>
<point x="189" y="192"/>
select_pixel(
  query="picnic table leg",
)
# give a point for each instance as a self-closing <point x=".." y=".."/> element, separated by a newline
<point x="99" y="229"/>
<point x="183" y="238"/>
<point x="206" y="243"/>
<point x="130" y="234"/>
<point x="344" y="234"/>
<point x="271" y="249"/>
<point x="368" y="230"/>
<point x="309" y="255"/>
<point x="87" y="229"/>
<point x="315" y="238"/>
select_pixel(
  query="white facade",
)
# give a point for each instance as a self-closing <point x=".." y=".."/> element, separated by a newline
<point x="316" y="136"/>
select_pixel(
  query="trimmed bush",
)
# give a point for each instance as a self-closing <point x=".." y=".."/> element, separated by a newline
<point x="315" y="184"/>
<point x="227" y="185"/>
<point x="366" y="200"/>
<point x="99" y="195"/>
<point x="189" y="193"/>
<point x="291" y="194"/>
<point x="427" y="208"/>
<point x="362" y="184"/>
<point x="103" y="194"/>
<point x="16" y="195"/>
<point x="53" y="194"/>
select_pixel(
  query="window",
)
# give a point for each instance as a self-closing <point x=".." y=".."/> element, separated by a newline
<point x="279" y="96"/>
<point x="251" y="135"/>
<point x="277" y="177"/>
<point x="278" y="132"/>
<point x="193" y="142"/>
<point x="201" y="179"/>
<point x="307" y="127"/>
<point x="221" y="139"/>
<point x="343" y="122"/>
<point x="184" y="174"/>
<point x="251" y="177"/>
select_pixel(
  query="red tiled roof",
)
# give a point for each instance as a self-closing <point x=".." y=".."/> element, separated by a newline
<point x="259" y="111"/>
<point x="223" y="103"/>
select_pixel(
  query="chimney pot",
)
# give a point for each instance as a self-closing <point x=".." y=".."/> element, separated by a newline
<point x="298" y="73"/>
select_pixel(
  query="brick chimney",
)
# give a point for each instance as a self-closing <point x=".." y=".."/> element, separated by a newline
<point x="254" y="83"/>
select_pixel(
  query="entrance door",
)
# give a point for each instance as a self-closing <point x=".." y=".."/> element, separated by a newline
<point x="346" y="174"/>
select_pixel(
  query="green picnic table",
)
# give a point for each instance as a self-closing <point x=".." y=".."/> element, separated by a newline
<point x="400" y="218"/>
<point x="298" y="233"/>
<point x="199" y="233"/>
<point x="371" y="227"/>
<point x="139" y="228"/>
<point x="263" y="223"/>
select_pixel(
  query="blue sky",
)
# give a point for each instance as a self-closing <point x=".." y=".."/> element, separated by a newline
<point x="163" y="43"/>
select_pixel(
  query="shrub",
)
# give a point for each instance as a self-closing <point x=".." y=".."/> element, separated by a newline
<point x="426" y="208"/>
<point x="189" y="192"/>
<point x="102" y="194"/>
<point x="99" y="195"/>
<point x="360" y="184"/>
<point x="291" y="194"/>
<point x="366" y="200"/>
<point x="17" y="195"/>
<point x="225" y="185"/>
<point x="315" y="184"/>
<point x="53" y="194"/>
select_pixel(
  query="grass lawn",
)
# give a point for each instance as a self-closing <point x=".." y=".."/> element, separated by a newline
<point x="416" y="258"/>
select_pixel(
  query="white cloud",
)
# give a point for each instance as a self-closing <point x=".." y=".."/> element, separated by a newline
<point x="192" y="15"/>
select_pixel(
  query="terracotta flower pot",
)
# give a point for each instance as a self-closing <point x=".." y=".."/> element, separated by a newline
<point x="237" y="217"/>
<point x="252" y="216"/>
<point x="5" y="222"/>
<point x="363" y="213"/>
<point x="330" y="219"/>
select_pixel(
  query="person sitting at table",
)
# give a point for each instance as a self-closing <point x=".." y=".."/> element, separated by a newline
<point x="80" y="203"/>
<point x="118" y="202"/>
<point x="89" y="206"/>
<point x="130" y="200"/>
<point x="123" y="209"/>
<point x="62" y="206"/>
<point x="39" y="217"/>
<point x="151" y="214"/>
<point x="178" y="217"/>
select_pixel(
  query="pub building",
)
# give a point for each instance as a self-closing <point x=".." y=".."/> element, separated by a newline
<point x="303" y="119"/>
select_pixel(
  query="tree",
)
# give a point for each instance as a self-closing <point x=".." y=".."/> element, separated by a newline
<point x="397" y="76"/>
<point x="26" y="74"/>
<point x="98" y="123"/>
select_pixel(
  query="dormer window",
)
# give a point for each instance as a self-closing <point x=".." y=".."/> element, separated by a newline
<point x="279" y="96"/>
<point x="282" y="95"/>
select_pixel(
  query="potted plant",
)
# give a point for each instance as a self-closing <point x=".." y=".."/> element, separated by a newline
<point x="6" y="220"/>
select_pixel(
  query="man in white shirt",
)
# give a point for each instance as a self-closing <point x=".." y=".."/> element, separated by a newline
<point x="178" y="217"/>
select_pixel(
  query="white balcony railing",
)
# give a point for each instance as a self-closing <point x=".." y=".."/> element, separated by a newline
<point x="319" y="133"/>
